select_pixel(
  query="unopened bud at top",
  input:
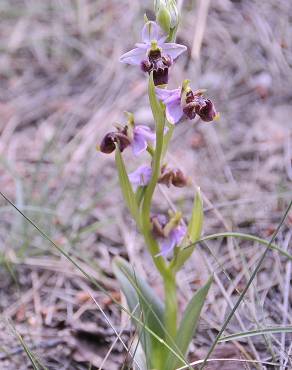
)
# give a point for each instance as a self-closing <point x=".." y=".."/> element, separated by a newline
<point x="163" y="18"/>
<point x="167" y="16"/>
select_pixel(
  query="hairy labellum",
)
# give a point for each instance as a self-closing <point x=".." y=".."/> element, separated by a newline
<point x="205" y="109"/>
<point x="173" y="177"/>
<point x="146" y="66"/>
<point x="196" y="103"/>
<point x="108" y="144"/>
<point x="190" y="110"/>
<point x="159" y="64"/>
<point x="189" y="97"/>
<point x="160" y="76"/>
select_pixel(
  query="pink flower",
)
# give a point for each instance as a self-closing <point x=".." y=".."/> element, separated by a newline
<point x="169" y="234"/>
<point x="142" y="135"/>
<point x="174" y="238"/>
<point x="183" y="102"/>
<point x="154" y="54"/>
<point x="137" y="137"/>
<point x="171" y="99"/>
<point x="140" y="177"/>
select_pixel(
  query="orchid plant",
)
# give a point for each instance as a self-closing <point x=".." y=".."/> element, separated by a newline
<point x="162" y="342"/>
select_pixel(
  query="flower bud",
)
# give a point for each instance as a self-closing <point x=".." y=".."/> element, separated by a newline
<point x="163" y="19"/>
<point x="167" y="15"/>
<point x="174" y="16"/>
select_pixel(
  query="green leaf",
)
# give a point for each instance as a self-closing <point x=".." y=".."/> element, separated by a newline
<point x="126" y="186"/>
<point x="196" y="223"/>
<point x="251" y="333"/>
<point x="194" y="232"/>
<point x="189" y="324"/>
<point x="142" y="299"/>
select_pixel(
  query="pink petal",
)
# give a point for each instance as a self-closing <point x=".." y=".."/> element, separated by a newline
<point x="174" y="112"/>
<point x="168" y="96"/>
<point x="179" y="233"/>
<point x="141" y="176"/>
<point x="139" y="144"/>
<point x="150" y="32"/>
<point x="175" y="238"/>
<point x="164" y="93"/>
<point x="134" y="56"/>
<point x="173" y="49"/>
<point x="146" y="132"/>
<point x="161" y="40"/>
<point x="167" y="246"/>
<point x="142" y="45"/>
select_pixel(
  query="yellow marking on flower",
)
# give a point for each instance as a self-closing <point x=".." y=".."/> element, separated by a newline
<point x="217" y="117"/>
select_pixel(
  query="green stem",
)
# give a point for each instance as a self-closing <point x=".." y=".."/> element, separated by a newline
<point x="243" y="236"/>
<point x="150" y="150"/>
<point x="171" y="305"/>
<point x="147" y="201"/>
<point x="145" y="216"/>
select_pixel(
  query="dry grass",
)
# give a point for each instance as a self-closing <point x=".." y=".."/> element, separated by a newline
<point x="61" y="89"/>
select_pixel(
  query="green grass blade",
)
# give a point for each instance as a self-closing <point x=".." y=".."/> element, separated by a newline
<point x="252" y="333"/>
<point x="35" y="363"/>
<point x="245" y="237"/>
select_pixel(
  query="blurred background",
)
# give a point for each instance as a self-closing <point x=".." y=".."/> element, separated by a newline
<point x="62" y="88"/>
